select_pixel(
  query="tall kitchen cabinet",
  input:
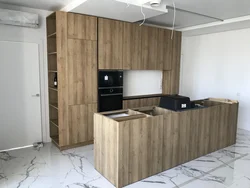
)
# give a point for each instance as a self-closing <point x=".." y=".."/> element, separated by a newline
<point x="72" y="57"/>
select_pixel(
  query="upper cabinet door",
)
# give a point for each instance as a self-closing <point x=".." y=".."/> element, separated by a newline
<point x="110" y="44"/>
<point x="165" y="48"/>
<point x="132" y="47"/>
<point x="151" y="48"/>
<point x="82" y="27"/>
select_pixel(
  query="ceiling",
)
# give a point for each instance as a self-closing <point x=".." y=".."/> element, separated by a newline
<point x="221" y="9"/>
<point x="51" y="5"/>
<point x="117" y="9"/>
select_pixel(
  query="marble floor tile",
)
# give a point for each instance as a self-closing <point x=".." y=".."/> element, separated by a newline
<point x="50" y="168"/>
<point x="241" y="183"/>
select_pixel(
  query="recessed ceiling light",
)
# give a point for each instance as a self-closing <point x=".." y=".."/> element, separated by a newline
<point x="155" y="3"/>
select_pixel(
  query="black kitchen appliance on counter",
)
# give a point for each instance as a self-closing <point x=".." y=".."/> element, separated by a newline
<point x="175" y="102"/>
<point x="110" y="90"/>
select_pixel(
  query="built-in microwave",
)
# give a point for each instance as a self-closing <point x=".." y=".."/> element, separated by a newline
<point x="110" y="78"/>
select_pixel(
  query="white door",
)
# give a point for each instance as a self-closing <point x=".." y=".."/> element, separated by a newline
<point x="20" y="112"/>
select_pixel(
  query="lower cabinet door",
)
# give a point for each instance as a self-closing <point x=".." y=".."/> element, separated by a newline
<point x="81" y="126"/>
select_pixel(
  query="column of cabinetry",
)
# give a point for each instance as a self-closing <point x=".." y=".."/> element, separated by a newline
<point x="171" y="78"/>
<point x="75" y="62"/>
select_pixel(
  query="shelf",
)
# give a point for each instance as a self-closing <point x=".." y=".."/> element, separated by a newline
<point x="54" y="89"/>
<point x="52" y="53"/>
<point x="55" y="139"/>
<point x="54" y="105"/>
<point x="52" y="71"/>
<point x="54" y="122"/>
<point x="52" y="35"/>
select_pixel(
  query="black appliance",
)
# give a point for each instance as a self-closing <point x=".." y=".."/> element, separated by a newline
<point x="110" y="90"/>
<point x="175" y="102"/>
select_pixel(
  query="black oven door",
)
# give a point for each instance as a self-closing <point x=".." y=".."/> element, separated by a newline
<point x="110" y="99"/>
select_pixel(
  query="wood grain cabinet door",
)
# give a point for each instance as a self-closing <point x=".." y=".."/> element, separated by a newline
<point x="151" y="49"/>
<point x="132" y="47"/>
<point x="81" y="125"/>
<point x="82" y="71"/>
<point x="82" y="27"/>
<point x="110" y="43"/>
<point x="165" y="49"/>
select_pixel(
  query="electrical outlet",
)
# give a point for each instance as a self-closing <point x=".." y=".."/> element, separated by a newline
<point x="238" y="94"/>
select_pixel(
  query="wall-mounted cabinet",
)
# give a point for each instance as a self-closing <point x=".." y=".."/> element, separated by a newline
<point x="132" y="47"/>
<point x="128" y="46"/>
<point x="110" y="44"/>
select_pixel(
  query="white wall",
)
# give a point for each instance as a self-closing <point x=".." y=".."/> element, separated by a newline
<point x="38" y="36"/>
<point x="142" y="82"/>
<point x="218" y="65"/>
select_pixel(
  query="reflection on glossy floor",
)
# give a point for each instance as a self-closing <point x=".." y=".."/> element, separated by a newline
<point x="50" y="168"/>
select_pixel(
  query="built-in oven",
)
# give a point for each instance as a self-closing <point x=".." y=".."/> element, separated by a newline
<point x="110" y="90"/>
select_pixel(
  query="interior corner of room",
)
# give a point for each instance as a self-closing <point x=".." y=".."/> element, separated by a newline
<point x="74" y="73"/>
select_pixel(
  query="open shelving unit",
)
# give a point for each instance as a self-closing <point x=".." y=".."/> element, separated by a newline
<point x="52" y="71"/>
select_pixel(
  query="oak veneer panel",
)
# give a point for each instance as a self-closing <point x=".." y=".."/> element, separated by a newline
<point x="106" y="147"/>
<point x="150" y="47"/>
<point x="171" y="78"/>
<point x="61" y="38"/>
<point x="233" y="114"/>
<point x="82" y="71"/>
<point x="110" y="44"/>
<point x="132" y="47"/>
<point x="165" y="48"/>
<point x="81" y="123"/>
<point x="135" y="103"/>
<point x="194" y="135"/>
<point x="140" y="149"/>
<point x="176" y="62"/>
<point x="214" y="128"/>
<point x="82" y="26"/>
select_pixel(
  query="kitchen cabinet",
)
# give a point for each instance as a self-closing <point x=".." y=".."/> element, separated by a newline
<point x="81" y="123"/>
<point x="150" y="59"/>
<point x="82" y="27"/>
<point x="165" y="48"/>
<point x="150" y="140"/>
<point x="110" y="44"/>
<point x="72" y="57"/>
<point x="128" y="149"/>
<point x="132" y="47"/>
<point x="171" y="78"/>
<point x="82" y="71"/>
<point x="156" y="48"/>
<point x="135" y="103"/>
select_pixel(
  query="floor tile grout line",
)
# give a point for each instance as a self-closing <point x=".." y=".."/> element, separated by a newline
<point x="207" y="173"/>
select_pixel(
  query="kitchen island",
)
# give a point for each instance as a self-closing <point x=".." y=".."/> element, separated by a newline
<point x="133" y="144"/>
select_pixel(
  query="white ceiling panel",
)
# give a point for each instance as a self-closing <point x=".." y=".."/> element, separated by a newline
<point x="182" y="20"/>
<point x="223" y="9"/>
<point x="51" y="5"/>
<point x="115" y="10"/>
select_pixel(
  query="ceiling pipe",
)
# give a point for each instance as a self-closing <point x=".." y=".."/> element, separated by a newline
<point x="190" y="12"/>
